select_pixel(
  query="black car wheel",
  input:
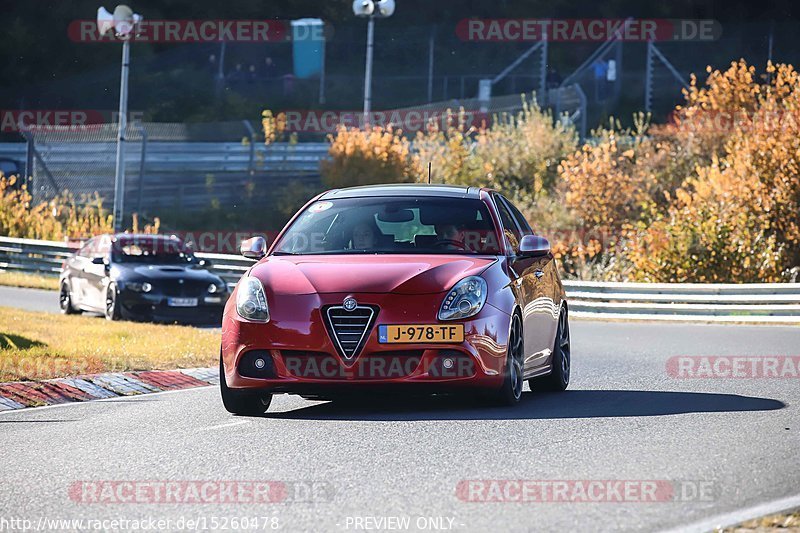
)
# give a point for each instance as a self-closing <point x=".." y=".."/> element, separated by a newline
<point x="112" y="303"/>
<point x="242" y="402"/>
<point x="511" y="391"/>
<point x="558" y="379"/>
<point x="65" y="299"/>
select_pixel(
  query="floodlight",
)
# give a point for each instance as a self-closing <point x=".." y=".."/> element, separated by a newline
<point x="105" y="20"/>
<point x="363" y="8"/>
<point x="384" y="8"/>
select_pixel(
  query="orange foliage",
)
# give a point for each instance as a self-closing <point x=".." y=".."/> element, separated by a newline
<point x="367" y="157"/>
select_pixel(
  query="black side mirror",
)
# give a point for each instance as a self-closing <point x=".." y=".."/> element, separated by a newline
<point x="99" y="260"/>
<point x="534" y="246"/>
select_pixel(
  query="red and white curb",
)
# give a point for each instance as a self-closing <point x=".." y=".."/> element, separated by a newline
<point x="22" y="394"/>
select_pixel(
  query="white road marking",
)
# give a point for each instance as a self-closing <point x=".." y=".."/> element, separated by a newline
<point x="131" y="397"/>
<point x="742" y="515"/>
<point x="220" y="426"/>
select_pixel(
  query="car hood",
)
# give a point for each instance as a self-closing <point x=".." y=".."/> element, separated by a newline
<point x="165" y="273"/>
<point x="399" y="274"/>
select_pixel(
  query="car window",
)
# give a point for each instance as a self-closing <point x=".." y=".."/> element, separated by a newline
<point x="102" y="247"/>
<point x="151" y="250"/>
<point x="86" y="249"/>
<point x="510" y="228"/>
<point x="518" y="217"/>
<point x="392" y="225"/>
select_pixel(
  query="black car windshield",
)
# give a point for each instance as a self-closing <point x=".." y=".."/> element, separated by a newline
<point x="392" y="225"/>
<point x="151" y="250"/>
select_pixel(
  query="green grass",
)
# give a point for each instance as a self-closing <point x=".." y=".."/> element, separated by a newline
<point x="29" y="281"/>
<point x="36" y="346"/>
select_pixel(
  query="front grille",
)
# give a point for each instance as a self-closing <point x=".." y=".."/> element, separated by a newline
<point x="349" y="329"/>
<point x="189" y="288"/>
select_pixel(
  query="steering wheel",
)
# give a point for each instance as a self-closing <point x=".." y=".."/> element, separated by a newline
<point x="441" y="243"/>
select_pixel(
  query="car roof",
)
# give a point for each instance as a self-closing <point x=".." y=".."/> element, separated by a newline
<point x="404" y="189"/>
<point x="142" y="237"/>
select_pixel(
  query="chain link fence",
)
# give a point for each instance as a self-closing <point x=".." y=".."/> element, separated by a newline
<point x="170" y="168"/>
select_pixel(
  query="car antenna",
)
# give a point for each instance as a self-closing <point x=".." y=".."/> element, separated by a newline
<point x="429" y="172"/>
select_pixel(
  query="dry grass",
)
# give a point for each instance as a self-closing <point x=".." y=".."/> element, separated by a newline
<point x="783" y="522"/>
<point x="35" y="346"/>
<point x="29" y="281"/>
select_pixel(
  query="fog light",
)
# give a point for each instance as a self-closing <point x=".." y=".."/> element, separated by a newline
<point x="447" y="363"/>
<point x="260" y="363"/>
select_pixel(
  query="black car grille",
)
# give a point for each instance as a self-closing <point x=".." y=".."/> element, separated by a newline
<point x="349" y="329"/>
<point x="188" y="288"/>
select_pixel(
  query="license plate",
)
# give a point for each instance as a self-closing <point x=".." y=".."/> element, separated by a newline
<point x="182" y="302"/>
<point x="420" y="333"/>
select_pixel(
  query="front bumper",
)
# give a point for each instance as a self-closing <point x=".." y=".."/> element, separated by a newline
<point x="298" y="354"/>
<point x="154" y="307"/>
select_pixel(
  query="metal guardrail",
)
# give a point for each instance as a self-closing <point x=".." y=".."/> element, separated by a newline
<point x="183" y="156"/>
<point x="46" y="257"/>
<point x="716" y="302"/>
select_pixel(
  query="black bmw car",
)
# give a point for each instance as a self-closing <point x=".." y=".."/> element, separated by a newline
<point x="141" y="277"/>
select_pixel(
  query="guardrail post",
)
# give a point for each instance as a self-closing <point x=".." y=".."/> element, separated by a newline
<point x="141" y="170"/>
<point x="28" y="160"/>
<point x="252" y="135"/>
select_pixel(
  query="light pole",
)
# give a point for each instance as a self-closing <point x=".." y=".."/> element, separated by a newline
<point x="371" y="9"/>
<point x="124" y="22"/>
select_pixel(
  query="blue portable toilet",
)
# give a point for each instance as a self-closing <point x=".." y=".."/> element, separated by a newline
<point x="308" y="47"/>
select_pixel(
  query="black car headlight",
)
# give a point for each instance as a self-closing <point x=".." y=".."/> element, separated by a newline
<point x="251" y="302"/>
<point x="137" y="286"/>
<point x="465" y="299"/>
<point x="216" y="288"/>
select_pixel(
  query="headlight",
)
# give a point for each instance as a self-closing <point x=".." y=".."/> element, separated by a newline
<point x="139" y="287"/>
<point x="464" y="300"/>
<point x="214" y="288"/>
<point x="251" y="302"/>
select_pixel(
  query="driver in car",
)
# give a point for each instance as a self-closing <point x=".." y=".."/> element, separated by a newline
<point x="449" y="235"/>
<point x="364" y="236"/>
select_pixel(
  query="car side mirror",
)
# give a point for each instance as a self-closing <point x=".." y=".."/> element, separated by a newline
<point x="99" y="260"/>
<point x="254" y="248"/>
<point x="534" y="246"/>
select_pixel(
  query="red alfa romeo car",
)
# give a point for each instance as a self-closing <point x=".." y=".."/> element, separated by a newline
<point x="417" y="287"/>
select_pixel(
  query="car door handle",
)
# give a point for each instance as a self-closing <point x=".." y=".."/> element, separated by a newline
<point x="538" y="274"/>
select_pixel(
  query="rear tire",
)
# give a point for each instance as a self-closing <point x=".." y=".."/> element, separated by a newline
<point x="510" y="393"/>
<point x="65" y="299"/>
<point x="242" y="402"/>
<point x="558" y="379"/>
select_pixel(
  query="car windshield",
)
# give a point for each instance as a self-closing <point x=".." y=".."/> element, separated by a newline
<point x="392" y="225"/>
<point x="151" y="251"/>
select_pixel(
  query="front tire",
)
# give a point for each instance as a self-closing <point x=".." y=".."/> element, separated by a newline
<point x="511" y="391"/>
<point x="558" y="379"/>
<point x="65" y="299"/>
<point x="112" y="303"/>
<point x="242" y="402"/>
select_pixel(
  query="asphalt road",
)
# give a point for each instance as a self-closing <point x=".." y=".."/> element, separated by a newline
<point x="624" y="418"/>
<point x="29" y="299"/>
<point x="43" y="300"/>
